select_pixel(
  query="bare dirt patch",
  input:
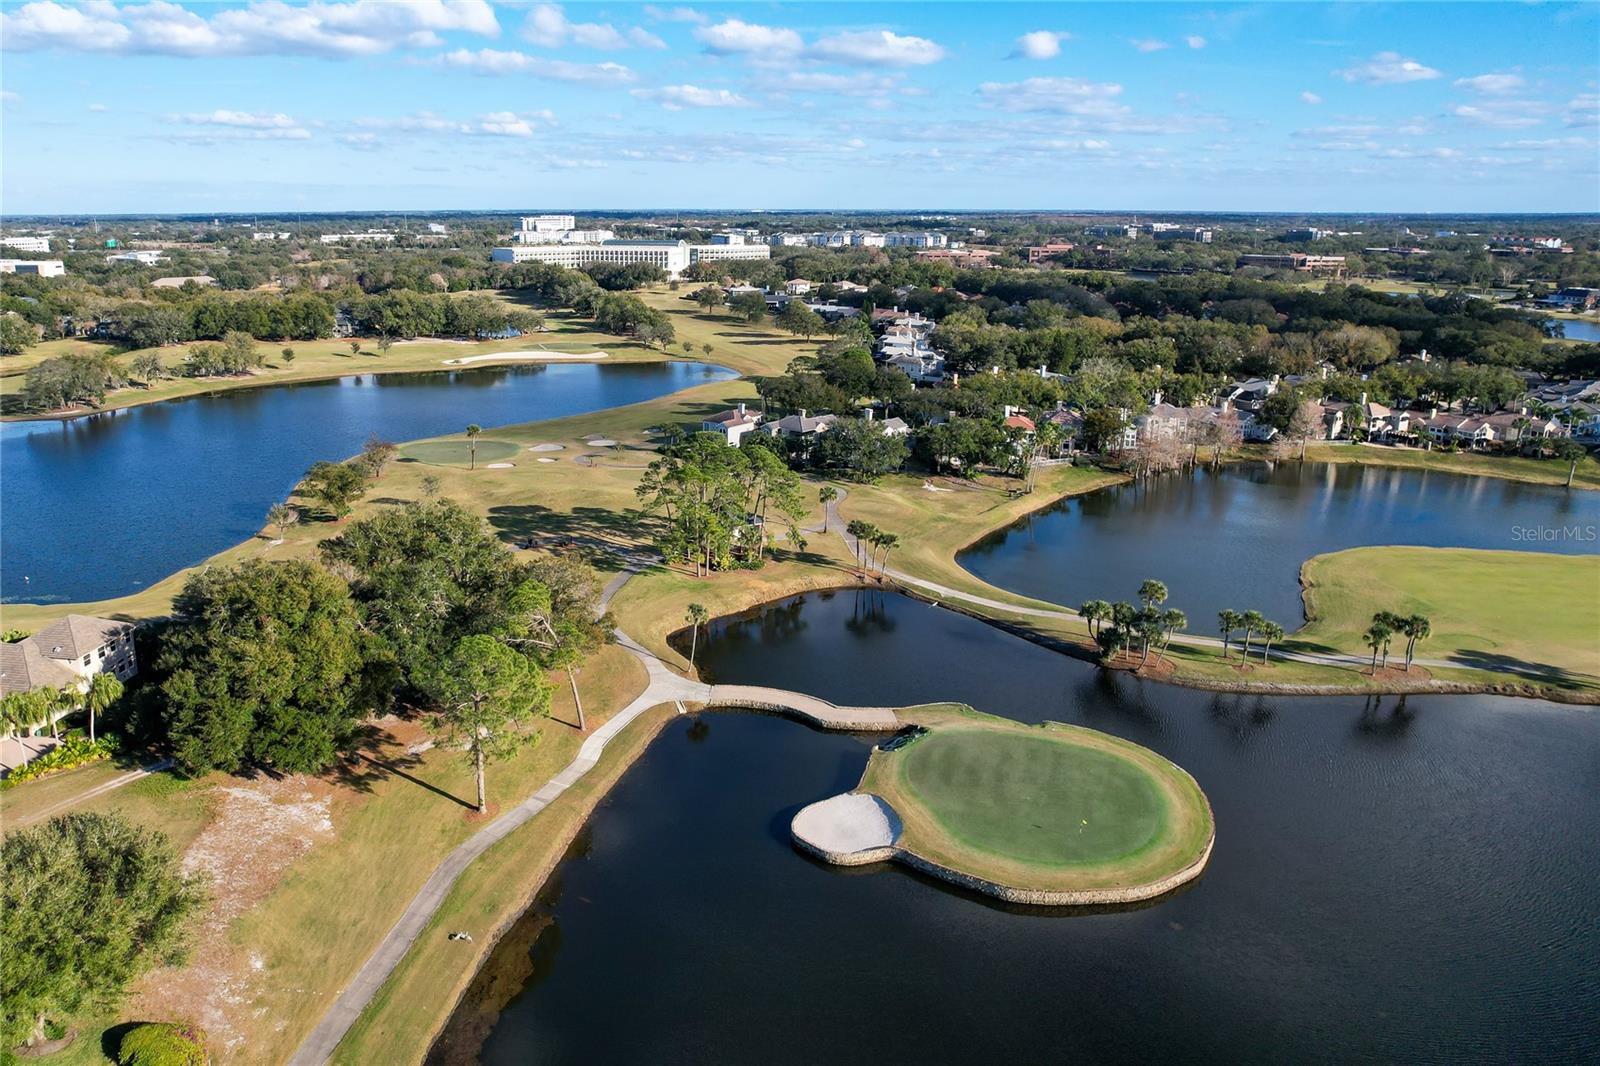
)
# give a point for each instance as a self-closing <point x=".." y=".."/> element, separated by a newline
<point x="260" y="829"/>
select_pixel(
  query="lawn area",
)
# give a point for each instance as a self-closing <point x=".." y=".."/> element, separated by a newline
<point x="1052" y="806"/>
<point x="936" y="517"/>
<point x="415" y="1002"/>
<point x="1509" y="467"/>
<point x="460" y="452"/>
<point x="299" y="905"/>
<point x="1489" y="609"/>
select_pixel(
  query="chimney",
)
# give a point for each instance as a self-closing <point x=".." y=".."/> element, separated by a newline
<point x="1363" y="400"/>
<point x="868" y="412"/>
<point x="741" y="408"/>
<point x="1155" y="401"/>
<point x="802" y="413"/>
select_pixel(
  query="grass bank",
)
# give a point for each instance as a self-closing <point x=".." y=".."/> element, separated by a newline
<point x="1491" y="611"/>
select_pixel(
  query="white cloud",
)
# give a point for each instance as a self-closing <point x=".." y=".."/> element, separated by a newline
<point x="774" y="44"/>
<point x="1309" y="97"/>
<point x="736" y="37"/>
<point x="8" y="97"/>
<point x="1583" y="110"/>
<point x="1041" y="44"/>
<point x="1388" y="68"/>
<point x="1502" y="114"/>
<point x="678" y="97"/>
<point x="492" y="61"/>
<point x="876" y="47"/>
<point x="520" y="124"/>
<point x="1195" y="41"/>
<point x="817" y="81"/>
<point x="98" y="108"/>
<point x="262" y="27"/>
<point x="1148" y="44"/>
<point x="1491" y="84"/>
<point x="548" y="26"/>
<point x="1067" y="96"/>
<point x="226" y="125"/>
<point x="675" y="14"/>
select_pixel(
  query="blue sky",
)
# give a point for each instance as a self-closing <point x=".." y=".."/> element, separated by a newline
<point x="379" y="104"/>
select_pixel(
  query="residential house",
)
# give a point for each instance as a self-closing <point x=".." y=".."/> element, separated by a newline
<point x="67" y="653"/>
<point x="732" y="424"/>
<point x="1573" y="298"/>
<point x="1249" y="395"/>
<point x="797" y="287"/>
<point x="802" y="427"/>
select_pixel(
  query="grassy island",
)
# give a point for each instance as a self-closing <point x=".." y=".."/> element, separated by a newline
<point x="1050" y="814"/>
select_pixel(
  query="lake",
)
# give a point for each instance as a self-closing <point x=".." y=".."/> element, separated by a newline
<point x="1577" y="329"/>
<point x="1393" y="881"/>
<point x="107" y="504"/>
<point x="1236" y="537"/>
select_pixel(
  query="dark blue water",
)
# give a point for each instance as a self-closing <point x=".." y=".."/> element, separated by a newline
<point x="1393" y="881"/>
<point x="1236" y="538"/>
<point x="105" y="505"/>
<point x="1578" y="329"/>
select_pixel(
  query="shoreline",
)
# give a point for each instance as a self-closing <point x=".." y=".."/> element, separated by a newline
<point x="487" y="361"/>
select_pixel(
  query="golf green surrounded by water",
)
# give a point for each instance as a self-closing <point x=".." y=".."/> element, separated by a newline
<point x="1035" y="798"/>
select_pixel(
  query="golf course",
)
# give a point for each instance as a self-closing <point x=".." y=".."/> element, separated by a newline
<point x="1049" y="814"/>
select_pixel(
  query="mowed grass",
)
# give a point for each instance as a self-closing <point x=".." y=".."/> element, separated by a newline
<point x="1049" y="806"/>
<point x="1035" y="798"/>
<point x="1489" y="609"/>
<point x="1507" y="467"/>
<point x="460" y="452"/>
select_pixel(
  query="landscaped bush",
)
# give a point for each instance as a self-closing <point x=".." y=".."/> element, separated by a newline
<point x="163" y="1044"/>
<point x="73" y="752"/>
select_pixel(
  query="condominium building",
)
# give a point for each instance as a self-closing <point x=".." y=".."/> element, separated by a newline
<point x="26" y="244"/>
<point x="1295" y="261"/>
<point x="916" y="239"/>
<point x="371" y="236"/>
<point x="142" y="257"/>
<point x="670" y="256"/>
<point x="271" y="235"/>
<point x="47" y="268"/>
<point x="713" y="253"/>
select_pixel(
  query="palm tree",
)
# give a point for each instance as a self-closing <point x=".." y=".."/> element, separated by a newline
<point x="1152" y="593"/>
<point x="1227" y="621"/>
<point x="1570" y="450"/>
<point x="826" y="495"/>
<point x="1376" y="637"/>
<point x="1251" y="621"/>
<point x="1392" y="624"/>
<point x="283" y="516"/>
<point x="1095" y="612"/>
<point x="1270" y="632"/>
<point x="473" y="430"/>
<point x="862" y="533"/>
<point x="1172" y="620"/>
<point x="104" y="690"/>
<point x="697" y="616"/>
<point x="1417" y="627"/>
<point x="888" y="542"/>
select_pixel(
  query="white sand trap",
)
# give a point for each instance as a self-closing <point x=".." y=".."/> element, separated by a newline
<point x="546" y="460"/>
<point x="935" y="488"/>
<point x="501" y="466"/>
<point x="522" y="357"/>
<point x="855" y="824"/>
<point x="602" y="442"/>
<point x="548" y="448"/>
<point x="435" y="340"/>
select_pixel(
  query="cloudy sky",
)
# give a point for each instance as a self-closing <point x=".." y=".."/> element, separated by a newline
<point x="432" y="104"/>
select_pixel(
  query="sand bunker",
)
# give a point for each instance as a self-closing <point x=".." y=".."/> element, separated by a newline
<point x="501" y="466"/>
<point x="602" y="442"/>
<point x="548" y="448"/>
<point x="547" y="460"/>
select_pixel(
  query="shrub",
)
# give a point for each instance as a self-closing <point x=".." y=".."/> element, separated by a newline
<point x="163" y="1044"/>
<point x="71" y="753"/>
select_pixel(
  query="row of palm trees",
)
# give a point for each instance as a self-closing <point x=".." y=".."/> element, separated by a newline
<point x="36" y="707"/>
<point x="873" y="546"/>
<point x="1118" y="627"/>
<point x="1386" y="625"/>
<point x="1254" y="623"/>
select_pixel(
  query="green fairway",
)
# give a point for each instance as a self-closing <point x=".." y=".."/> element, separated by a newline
<point x="459" y="452"/>
<point x="1035" y="798"/>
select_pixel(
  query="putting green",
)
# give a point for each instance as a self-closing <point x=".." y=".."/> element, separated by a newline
<point x="1035" y="798"/>
<point x="1049" y="813"/>
<point x="459" y="452"/>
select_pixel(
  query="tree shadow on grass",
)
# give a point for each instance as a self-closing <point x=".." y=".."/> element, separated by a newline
<point x="535" y="525"/>
<point x="375" y="757"/>
<point x="1510" y="664"/>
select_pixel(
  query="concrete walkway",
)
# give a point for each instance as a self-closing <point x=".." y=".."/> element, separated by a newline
<point x="665" y="686"/>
